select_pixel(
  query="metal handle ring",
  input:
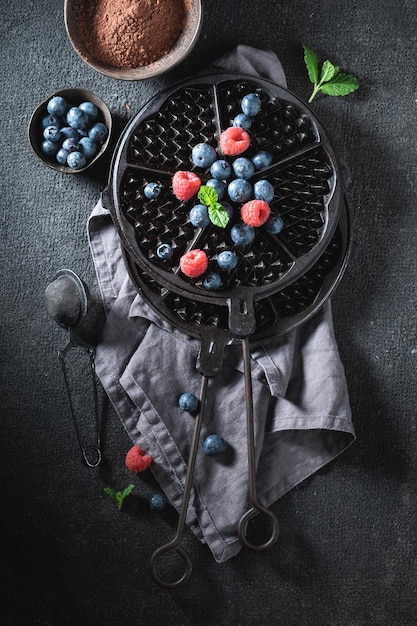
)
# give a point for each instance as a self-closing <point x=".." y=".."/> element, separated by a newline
<point x="153" y="566"/>
<point x="243" y="526"/>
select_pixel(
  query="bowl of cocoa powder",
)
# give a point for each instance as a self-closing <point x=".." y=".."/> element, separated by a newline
<point x="133" y="39"/>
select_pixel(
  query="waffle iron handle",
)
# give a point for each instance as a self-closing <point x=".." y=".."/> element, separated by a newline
<point x="257" y="508"/>
<point x="210" y="358"/>
<point x="242" y="322"/>
<point x="174" y="544"/>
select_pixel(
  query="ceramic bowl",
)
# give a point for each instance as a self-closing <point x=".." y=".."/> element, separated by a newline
<point x="74" y="97"/>
<point x="178" y="52"/>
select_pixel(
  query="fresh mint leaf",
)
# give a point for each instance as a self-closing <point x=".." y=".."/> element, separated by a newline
<point x="329" y="79"/>
<point x="119" y="496"/>
<point x="128" y="490"/>
<point x="112" y="494"/>
<point x="328" y="71"/>
<point x="310" y="59"/>
<point x="216" y="211"/>
<point x="218" y="214"/>
<point x="207" y="195"/>
<point x="341" y="85"/>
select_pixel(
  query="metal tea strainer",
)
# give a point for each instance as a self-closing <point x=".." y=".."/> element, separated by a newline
<point x="69" y="302"/>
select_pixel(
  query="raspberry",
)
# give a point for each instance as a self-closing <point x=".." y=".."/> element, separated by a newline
<point x="234" y="140"/>
<point x="194" y="263"/>
<point x="185" y="185"/>
<point x="136" y="460"/>
<point x="255" y="212"/>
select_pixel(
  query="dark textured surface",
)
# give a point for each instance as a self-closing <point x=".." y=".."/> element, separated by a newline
<point x="347" y="552"/>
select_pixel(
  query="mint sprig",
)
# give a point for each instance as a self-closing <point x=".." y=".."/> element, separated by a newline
<point x="329" y="79"/>
<point x="119" y="496"/>
<point x="207" y="195"/>
<point x="216" y="211"/>
<point x="218" y="214"/>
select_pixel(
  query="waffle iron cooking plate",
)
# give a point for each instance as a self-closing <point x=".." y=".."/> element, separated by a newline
<point x="304" y="172"/>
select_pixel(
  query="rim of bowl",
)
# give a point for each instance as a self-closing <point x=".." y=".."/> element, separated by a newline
<point x="178" y="52"/>
<point x="73" y="96"/>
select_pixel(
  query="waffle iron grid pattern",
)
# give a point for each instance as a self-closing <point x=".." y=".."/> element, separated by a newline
<point x="293" y="300"/>
<point x="300" y="174"/>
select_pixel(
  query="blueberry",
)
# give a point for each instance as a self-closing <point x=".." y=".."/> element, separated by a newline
<point x="88" y="147"/>
<point x="262" y="159"/>
<point x="199" y="216"/>
<point x="243" y="121"/>
<point x="239" y="190"/>
<point x="188" y="402"/>
<point x="152" y="190"/>
<point x="227" y="260"/>
<point x="243" y="168"/>
<point x="212" y="281"/>
<point x="164" y="251"/>
<point x="50" y="120"/>
<point x="242" y="234"/>
<point x="77" y="118"/>
<point x="71" y="144"/>
<point x="203" y="155"/>
<point x="62" y="156"/>
<point x="251" y="104"/>
<point x="76" y="160"/>
<point x="228" y="208"/>
<point x="157" y="502"/>
<point x="52" y="133"/>
<point x="57" y="106"/>
<point x="274" y="224"/>
<point x="90" y="109"/>
<point x="69" y="133"/>
<point x="73" y="129"/>
<point x="49" y="147"/>
<point x="218" y="185"/>
<point x="98" y="132"/>
<point x="220" y="169"/>
<point x="263" y="190"/>
<point x="214" y="444"/>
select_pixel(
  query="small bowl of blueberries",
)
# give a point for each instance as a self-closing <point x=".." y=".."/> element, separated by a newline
<point x="70" y="130"/>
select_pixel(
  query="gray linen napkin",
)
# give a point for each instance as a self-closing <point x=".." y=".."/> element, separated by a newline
<point x="301" y="403"/>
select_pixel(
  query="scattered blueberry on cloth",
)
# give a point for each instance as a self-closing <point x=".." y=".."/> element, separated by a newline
<point x="301" y="403"/>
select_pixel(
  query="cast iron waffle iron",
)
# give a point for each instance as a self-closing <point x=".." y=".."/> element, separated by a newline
<point x="304" y="173"/>
<point x="279" y="281"/>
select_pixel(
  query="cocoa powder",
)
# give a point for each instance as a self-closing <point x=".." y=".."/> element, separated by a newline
<point x="130" y="33"/>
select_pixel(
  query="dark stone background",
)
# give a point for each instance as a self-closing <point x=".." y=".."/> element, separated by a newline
<point x="347" y="551"/>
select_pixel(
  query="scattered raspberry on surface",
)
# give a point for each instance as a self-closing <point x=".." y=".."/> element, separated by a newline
<point x="185" y="184"/>
<point x="194" y="263"/>
<point x="234" y="140"/>
<point x="136" y="460"/>
<point x="255" y="212"/>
